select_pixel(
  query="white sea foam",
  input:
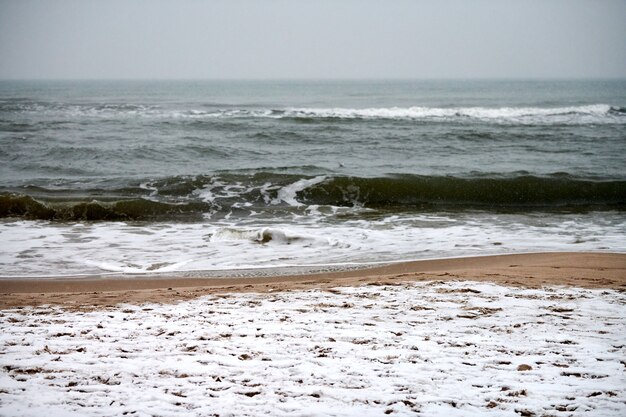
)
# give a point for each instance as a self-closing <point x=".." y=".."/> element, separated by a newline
<point x="217" y="191"/>
<point x="288" y="193"/>
<point x="530" y="114"/>
<point x="594" y="113"/>
<point x="130" y="268"/>
<point x="263" y="235"/>
<point x="583" y="114"/>
<point x="37" y="248"/>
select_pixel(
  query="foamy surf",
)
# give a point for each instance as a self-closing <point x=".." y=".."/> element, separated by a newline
<point x="36" y="248"/>
<point x="289" y="192"/>
<point x="583" y="114"/>
<point x="587" y="113"/>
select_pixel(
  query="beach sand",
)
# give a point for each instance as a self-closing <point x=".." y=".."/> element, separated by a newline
<point x="586" y="270"/>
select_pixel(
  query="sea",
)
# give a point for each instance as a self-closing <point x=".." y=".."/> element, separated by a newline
<point x="244" y="178"/>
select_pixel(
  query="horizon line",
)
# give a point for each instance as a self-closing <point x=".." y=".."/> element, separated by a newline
<point x="317" y="79"/>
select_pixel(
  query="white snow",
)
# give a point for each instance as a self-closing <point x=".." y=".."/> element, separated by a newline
<point x="432" y="349"/>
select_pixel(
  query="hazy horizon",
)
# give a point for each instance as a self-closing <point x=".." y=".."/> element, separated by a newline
<point x="282" y="40"/>
<point x="319" y="79"/>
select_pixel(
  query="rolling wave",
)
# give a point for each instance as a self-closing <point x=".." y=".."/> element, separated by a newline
<point x="182" y="198"/>
<point x="584" y="114"/>
<point x="524" y="191"/>
<point x="481" y="113"/>
<point x="27" y="207"/>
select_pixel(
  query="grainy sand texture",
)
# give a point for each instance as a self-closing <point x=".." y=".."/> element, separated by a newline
<point x="589" y="270"/>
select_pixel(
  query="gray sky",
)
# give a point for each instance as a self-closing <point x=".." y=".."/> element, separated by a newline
<point x="312" y="39"/>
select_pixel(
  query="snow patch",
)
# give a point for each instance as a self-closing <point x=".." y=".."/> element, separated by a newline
<point x="435" y="349"/>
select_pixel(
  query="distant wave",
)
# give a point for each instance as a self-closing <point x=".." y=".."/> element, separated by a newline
<point x="583" y="114"/>
<point x="502" y="113"/>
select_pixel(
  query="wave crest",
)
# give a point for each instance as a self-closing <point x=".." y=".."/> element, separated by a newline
<point x="193" y="198"/>
<point x="27" y="207"/>
<point x="591" y="113"/>
<point x="525" y="191"/>
<point x="531" y="114"/>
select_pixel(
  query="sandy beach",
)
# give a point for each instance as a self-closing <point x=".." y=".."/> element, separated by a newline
<point x="587" y="270"/>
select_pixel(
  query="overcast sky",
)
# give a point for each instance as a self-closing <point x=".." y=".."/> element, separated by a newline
<point x="312" y="39"/>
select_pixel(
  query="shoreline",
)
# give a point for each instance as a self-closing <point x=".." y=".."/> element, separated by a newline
<point x="579" y="269"/>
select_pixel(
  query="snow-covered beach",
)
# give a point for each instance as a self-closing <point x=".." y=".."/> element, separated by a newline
<point x="429" y="348"/>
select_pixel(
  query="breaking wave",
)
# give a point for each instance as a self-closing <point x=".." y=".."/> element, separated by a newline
<point x="191" y="198"/>
<point x="583" y="114"/>
<point x="481" y="113"/>
<point x="525" y="191"/>
<point x="27" y="207"/>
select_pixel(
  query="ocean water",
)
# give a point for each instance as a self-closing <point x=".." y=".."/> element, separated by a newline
<point x="203" y="177"/>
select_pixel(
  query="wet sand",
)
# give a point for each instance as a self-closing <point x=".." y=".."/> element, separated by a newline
<point x="587" y="270"/>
